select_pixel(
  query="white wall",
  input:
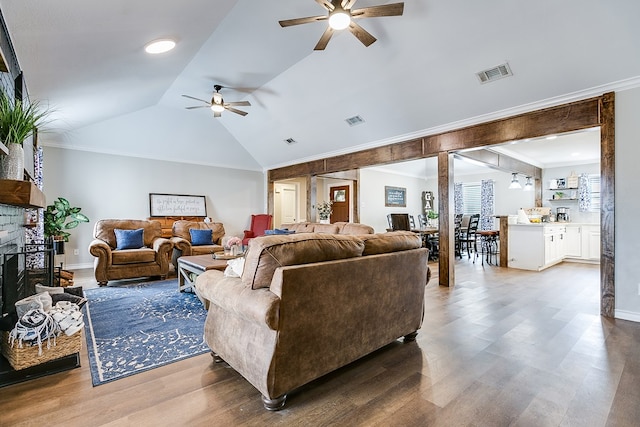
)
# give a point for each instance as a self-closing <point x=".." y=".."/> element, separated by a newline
<point x="372" y="209"/>
<point x="627" y="207"/>
<point x="110" y="186"/>
<point x="563" y="172"/>
<point x="507" y="202"/>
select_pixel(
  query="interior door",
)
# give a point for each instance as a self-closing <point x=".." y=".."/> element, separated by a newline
<point x="339" y="195"/>
<point x="285" y="204"/>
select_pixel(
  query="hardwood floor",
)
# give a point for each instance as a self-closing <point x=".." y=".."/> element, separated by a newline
<point x="503" y="347"/>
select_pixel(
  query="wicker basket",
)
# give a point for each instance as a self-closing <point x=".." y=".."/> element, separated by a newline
<point x="27" y="356"/>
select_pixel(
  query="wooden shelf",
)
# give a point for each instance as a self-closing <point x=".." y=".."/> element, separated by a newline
<point x="21" y="193"/>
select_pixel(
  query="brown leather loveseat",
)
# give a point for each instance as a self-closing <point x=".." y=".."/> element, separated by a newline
<point x="307" y="304"/>
<point x="112" y="263"/>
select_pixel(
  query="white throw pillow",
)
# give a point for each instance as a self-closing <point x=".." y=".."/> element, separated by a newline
<point x="235" y="267"/>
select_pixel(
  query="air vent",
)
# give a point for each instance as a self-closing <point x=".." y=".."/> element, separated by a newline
<point x="495" y="73"/>
<point x="355" y="120"/>
<point x="290" y="141"/>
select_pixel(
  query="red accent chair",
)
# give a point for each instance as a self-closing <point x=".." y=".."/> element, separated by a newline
<point x="259" y="223"/>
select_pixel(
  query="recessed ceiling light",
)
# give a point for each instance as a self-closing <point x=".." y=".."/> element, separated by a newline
<point x="160" y="46"/>
<point x="552" y="137"/>
<point x="575" y="154"/>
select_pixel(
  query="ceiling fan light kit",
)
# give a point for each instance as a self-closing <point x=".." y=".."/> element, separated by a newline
<point x="218" y="105"/>
<point x="341" y="15"/>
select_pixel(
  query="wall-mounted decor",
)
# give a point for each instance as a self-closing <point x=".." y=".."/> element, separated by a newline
<point x="395" y="197"/>
<point x="177" y="205"/>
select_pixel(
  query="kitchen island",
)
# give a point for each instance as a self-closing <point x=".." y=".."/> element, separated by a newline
<point x="538" y="246"/>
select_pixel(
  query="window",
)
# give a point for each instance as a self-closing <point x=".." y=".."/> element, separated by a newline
<point x="472" y="201"/>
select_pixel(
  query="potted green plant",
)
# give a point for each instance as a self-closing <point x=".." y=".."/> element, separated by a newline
<point x="17" y="121"/>
<point x="61" y="216"/>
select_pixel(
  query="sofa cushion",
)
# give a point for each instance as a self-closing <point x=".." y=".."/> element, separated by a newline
<point x="129" y="239"/>
<point x="201" y="237"/>
<point x="133" y="256"/>
<point x="266" y="253"/>
<point x="325" y="228"/>
<point x="392" y="241"/>
<point x="354" y="228"/>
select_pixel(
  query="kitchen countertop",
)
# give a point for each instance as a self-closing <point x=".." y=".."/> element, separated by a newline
<point x="541" y="224"/>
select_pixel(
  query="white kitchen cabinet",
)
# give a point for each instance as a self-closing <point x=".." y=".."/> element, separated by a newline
<point x="573" y="241"/>
<point x="591" y="236"/>
<point x="536" y="246"/>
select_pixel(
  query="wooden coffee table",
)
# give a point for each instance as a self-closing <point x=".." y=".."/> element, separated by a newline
<point x="196" y="264"/>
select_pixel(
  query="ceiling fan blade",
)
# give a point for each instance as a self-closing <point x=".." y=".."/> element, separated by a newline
<point x="394" y="9"/>
<point x="238" y="104"/>
<point x="324" y="40"/>
<point x="233" y="110"/>
<point x="348" y="4"/>
<point x="298" y="21"/>
<point x="326" y="4"/>
<point x="217" y="114"/>
<point x="199" y="106"/>
<point x="197" y="99"/>
<point x="363" y="35"/>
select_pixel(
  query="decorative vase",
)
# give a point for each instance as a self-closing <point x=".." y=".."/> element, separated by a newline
<point x="12" y="164"/>
<point x="324" y="221"/>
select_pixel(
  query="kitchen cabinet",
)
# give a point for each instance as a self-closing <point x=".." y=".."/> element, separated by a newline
<point x="536" y="246"/>
<point x="591" y="242"/>
<point x="573" y="241"/>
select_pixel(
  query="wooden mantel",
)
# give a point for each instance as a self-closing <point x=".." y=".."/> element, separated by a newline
<point x="21" y="193"/>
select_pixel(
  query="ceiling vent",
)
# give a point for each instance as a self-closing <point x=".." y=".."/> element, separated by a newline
<point x="355" y="120"/>
<point x="290" y="141"/>
<point x="494" y="73"/>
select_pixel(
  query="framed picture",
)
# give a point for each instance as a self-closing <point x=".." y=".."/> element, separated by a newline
<point x="395" y="197"/>
<point x="340" y="196"/>
<point x="177" y="205"/>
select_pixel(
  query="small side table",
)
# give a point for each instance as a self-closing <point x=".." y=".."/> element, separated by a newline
<point x="196" y="265"/>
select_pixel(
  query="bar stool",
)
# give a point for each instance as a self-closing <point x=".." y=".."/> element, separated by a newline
<point x="488" y="242"/>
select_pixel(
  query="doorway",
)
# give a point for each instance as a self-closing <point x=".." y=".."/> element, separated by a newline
<point x="285" y="203"/>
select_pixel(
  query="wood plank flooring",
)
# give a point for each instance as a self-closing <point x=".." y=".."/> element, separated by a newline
<point x="503" y="347"/>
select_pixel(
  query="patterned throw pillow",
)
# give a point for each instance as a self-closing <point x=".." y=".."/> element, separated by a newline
<point x="201" y="237"/>
<point x="129" y="239"/>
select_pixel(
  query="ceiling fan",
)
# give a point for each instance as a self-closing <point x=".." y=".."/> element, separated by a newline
<point x="341" y="16"/>
<point x="218" y="105"/>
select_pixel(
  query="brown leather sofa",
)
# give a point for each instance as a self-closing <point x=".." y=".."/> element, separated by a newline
<point x="114" y="264"/>
<point x="182" y="239"/>
<point x="335" y="228"/>
<point x="309" y="303"/>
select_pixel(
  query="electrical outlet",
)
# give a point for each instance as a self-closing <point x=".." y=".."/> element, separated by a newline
<point x="76" y="251"/>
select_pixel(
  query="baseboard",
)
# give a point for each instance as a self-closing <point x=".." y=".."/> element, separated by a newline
<point x="78" y="266"/>
<point x="627" y="315"/>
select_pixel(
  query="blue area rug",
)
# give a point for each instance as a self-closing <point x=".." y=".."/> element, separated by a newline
<point x="138" y="327"/>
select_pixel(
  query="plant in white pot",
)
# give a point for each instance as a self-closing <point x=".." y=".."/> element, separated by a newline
<point x="324" y="211"/>
<point x="17" y="121"/>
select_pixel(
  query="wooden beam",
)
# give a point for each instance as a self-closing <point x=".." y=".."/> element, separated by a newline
<point x="447" y="255"/>
<point x="607" y="205"/>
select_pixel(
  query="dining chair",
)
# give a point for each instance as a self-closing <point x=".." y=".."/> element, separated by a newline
<point x="469" y="236"/>
<point x="400" y="222"/>
<point x="412" y="222"/>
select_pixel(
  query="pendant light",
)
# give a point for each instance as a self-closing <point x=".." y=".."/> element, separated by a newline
<point x="528" y="186"/>
<point x="515" y="184"/>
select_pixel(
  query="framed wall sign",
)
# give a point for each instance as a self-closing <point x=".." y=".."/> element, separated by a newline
<point x="177" y="205"/>
<point x="395" y="197"/>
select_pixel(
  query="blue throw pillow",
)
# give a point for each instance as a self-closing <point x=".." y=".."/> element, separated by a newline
<point x="129" y="239"/>
<point x="201" y="237"/>
<point x="278" y="231"/>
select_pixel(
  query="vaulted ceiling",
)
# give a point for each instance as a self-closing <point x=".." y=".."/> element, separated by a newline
<point x="86" y="59"/>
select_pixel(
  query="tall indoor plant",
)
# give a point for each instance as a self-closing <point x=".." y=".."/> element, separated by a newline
<point x="18" y="120"/>
<point x="61" y="216"/>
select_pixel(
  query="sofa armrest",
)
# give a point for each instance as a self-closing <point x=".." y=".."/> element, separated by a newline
<point x="256" y="305"/>
<point x="102" y="251"/>
<point x="248" y="234"/>
<point x="183" y="245"/>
